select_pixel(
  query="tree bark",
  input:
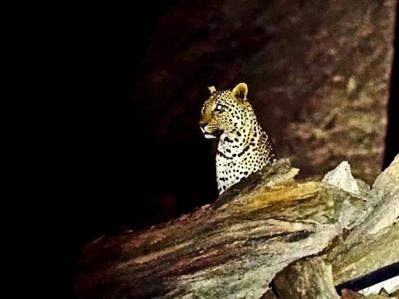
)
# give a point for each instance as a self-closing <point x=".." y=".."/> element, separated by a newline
<point x="235" y="247"/>
<point x="309" y="278"/>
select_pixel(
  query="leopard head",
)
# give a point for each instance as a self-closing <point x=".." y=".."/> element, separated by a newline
<point x="224" y="111"/>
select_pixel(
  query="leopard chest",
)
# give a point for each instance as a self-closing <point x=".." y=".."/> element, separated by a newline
<point x="237" y="158"/>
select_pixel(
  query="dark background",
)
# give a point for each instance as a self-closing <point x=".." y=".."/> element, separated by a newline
<point x="115" y="174"/>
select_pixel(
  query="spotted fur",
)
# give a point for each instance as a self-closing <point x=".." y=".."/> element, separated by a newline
<point x="243" y="147"/>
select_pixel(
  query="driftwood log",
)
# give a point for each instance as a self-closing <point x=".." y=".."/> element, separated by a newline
<point x="270" y="236"/>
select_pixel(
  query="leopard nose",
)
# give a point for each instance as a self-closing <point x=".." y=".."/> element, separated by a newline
<point x="202" y="124"/>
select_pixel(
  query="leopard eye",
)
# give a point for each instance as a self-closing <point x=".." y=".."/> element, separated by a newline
<point x="218" y="108"/>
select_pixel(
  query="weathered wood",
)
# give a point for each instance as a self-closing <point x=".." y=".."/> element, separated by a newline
<point x="269" y="295"/>
<point x="395" y="294"/>
<point x="312" y="278"/>
<point x="309" y="278"/>
<point x="231" y="249"/>
<point x="374" y="242"/>
<point x="359" y="251"/>
<point x="367" y="254"/>
<point x="235" y="247"/>
<point x="384" y="202"/>
<point x="348" y="294"/>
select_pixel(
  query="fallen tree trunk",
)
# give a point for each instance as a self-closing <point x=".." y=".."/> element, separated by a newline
<point x="311" y="278"/>
<point x="371" y="245"/>
<point x="318" y="277"/>
<point x="235" y="247"/>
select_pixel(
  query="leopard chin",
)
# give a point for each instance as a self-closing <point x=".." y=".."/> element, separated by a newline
<point x="209" y="136"/>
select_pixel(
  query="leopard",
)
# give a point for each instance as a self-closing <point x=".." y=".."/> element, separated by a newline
<point x="243" y="146"/>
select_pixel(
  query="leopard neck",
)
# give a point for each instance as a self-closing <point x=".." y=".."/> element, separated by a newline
<point x="235" y="142"/>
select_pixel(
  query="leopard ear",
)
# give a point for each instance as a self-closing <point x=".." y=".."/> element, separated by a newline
<point x="240" y="91"/>
<point x="212" y="89"/>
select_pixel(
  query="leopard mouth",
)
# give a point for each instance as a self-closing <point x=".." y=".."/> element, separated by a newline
<point x="212" y="135"/>
<point x="209" y="136"/>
